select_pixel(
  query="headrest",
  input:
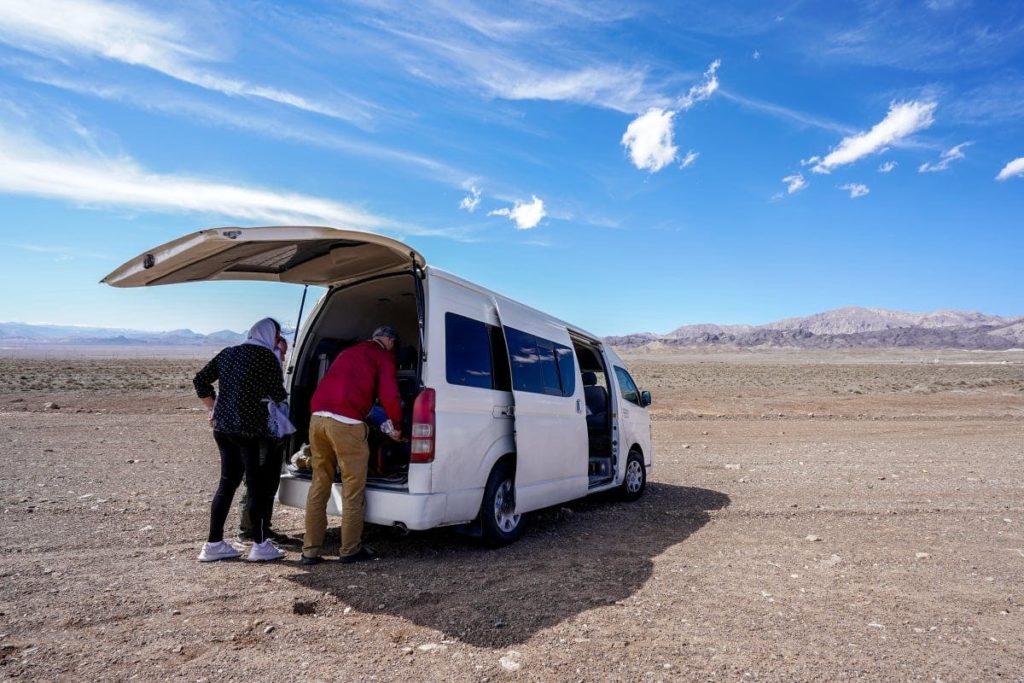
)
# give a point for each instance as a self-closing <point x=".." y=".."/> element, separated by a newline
<point x="589" y="379"/>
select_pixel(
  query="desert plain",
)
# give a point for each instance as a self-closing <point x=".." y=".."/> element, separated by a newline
<point x="811" y="515"/>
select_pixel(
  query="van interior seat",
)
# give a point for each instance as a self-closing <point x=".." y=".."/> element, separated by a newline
<point x="596" y="397"/>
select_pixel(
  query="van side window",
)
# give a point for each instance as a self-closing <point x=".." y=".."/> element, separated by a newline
<point x="468" y="352"/>
<point x="552" y="384"/>
<point x="539" y="365"/>
<point x="626" y="386"/>
<point x="566" y="369"/>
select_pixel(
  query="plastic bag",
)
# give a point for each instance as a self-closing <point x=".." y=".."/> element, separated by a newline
<point x="277" y="418"/>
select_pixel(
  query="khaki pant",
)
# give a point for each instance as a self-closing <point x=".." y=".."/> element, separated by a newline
<point x="336" y="443"/>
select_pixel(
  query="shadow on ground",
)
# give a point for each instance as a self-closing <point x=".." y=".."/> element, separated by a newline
<point x="573" y="558"/>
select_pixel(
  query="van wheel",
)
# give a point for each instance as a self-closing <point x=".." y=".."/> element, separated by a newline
<point x="635" y="482"/>
<point x="501" y="524"/>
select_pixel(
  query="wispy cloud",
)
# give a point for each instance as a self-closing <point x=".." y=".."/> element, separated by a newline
<point x="997" y="102"/>
<point x="898" y="34"/>
<point x="608" y="87"/>
<point x="428" y="45"/>
<point x="948" y="157"/>
<point x="1013" y="168"/>
<point x="903" y="119"/>
<point x="33" y="168"/>
<point x="59" y="253"/>
<point x="471" y="201"/>
<point x="855" y="189"/>
<point x="689" y="160"/>
<point x="649" y="140"/>
<point x="129" y="35"/>
<point x="786" y="114"/>
<point x="887" y="167"/>
<point x="170" y="102"/>
<point x="524" y="215"/>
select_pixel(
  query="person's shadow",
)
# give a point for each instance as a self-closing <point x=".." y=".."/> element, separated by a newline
<point x="572" y="558"/>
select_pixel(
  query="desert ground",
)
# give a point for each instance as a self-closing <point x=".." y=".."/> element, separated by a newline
<point x="810" y="516"/>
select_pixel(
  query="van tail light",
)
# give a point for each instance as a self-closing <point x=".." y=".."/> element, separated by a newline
<point x="423" y="427"/>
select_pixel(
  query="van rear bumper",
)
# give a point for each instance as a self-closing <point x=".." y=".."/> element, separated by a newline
<point x="415" y="511"/>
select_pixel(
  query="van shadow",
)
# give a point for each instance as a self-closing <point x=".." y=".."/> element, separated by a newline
<point x="571" y="559"/>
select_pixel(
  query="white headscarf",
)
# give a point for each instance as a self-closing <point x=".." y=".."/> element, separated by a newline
<point x="264" y="333"/>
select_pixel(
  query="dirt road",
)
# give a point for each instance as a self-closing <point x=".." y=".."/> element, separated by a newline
<point x="816" y="517"/>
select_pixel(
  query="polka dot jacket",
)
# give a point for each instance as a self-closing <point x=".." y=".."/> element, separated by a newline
<point x="246" y="374"/>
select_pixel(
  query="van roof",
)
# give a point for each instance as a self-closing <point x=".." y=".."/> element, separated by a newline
<point x="573" y="329"/>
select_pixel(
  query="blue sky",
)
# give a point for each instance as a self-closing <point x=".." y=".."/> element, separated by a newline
<point x="625" y="166"/>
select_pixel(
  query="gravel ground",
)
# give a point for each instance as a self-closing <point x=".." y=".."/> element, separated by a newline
<point x="809" y="517"/>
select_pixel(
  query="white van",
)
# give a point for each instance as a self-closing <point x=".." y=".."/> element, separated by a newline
<point x="508" y="409"/>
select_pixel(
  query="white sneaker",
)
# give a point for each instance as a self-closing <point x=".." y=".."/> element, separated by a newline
<point x="263" y="552"/>
<point x="221" y="550"/>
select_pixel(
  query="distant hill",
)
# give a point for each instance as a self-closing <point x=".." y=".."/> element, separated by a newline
<point x="26" y="335"/>
<point x="851" y="327"/>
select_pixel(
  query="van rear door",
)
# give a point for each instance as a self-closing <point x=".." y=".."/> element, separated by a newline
<point x="550" y="418"/>
<point x="293" y="254"/>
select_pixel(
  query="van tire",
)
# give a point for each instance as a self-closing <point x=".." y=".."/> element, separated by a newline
<point x="635" y="481"/>
<point x="500" y="526"/>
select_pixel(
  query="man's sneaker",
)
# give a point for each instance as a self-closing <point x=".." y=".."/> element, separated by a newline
<point x="262" y="552"/>
<point x="308" y="560"/>
<point x="360" y="555"/>
<point x="221" y="550"/>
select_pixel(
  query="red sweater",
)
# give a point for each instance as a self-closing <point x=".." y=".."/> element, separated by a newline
<point x="357" y="376"/>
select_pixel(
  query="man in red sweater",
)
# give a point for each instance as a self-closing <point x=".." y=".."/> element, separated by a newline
<point x="337" y="436"/>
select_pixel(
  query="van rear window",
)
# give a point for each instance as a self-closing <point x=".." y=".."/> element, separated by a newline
<point x="475" y="354"/>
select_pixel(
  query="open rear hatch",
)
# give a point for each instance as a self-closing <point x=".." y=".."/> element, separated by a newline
<point x="294" y="254"/>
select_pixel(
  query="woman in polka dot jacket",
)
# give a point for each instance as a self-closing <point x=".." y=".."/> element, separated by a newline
<point x="246" y="374"/>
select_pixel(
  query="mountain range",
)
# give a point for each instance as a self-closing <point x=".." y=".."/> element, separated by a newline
<point x="28" y="335"/>
<point x="848" y="328"/>
<point x="851" y="327"/>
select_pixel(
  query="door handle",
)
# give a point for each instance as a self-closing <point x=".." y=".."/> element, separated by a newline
<point x="503" y="411"/>
<point x="579" y="409"/>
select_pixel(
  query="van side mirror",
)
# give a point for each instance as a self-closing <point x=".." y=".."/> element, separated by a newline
<point x="645" y="398"/>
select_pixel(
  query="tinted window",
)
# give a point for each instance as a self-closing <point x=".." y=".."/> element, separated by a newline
<point x="539" y="365"/>
<point x="525" y="361"/>
<point x="626" y="386"/>
<point x="468" y="352"/>
<point x="566" y="369"/>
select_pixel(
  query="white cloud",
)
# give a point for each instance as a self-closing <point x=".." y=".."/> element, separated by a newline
<point x="703" y="90"/>
<point x="794" y="183"/>
<point x="887" y="167"/>
<point x="1014" y="168"/>
<point x="949" y="156"/>
<point x="756" y="55"/>
<point x="649" y="140"/>
<point x="51" y="28"/>
<point x="526" y="216"/>
<point x="903" y="119"/>
<point x="609" y="87"/>
<point x="855" y="189"/>
<point x="38" y="170"/>
<point x="470" y="201"/>
<point x="689" y="159"/>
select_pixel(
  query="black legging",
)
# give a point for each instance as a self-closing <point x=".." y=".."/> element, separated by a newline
<point x="241" y="456"/>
